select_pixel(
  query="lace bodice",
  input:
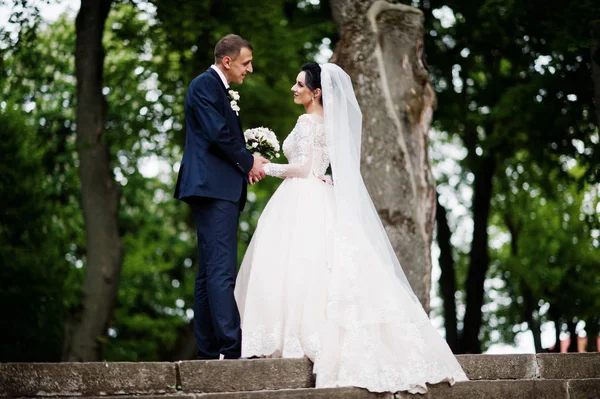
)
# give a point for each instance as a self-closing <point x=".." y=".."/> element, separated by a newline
<point x="306" y="150"/>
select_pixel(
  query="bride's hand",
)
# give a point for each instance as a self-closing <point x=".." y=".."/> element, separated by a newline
<point x="257" y="173"/>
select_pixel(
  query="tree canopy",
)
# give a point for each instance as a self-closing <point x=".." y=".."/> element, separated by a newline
<point x="515" y="146"/>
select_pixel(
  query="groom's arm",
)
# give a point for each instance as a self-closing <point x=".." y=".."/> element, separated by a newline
<point x="215" y="125"/>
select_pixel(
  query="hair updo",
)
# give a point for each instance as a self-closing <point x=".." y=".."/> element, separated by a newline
<point x="313" y="77"/>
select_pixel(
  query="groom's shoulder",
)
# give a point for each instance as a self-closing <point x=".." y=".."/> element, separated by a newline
<point x="205" y="78"/>
<point x="204" y="81"/>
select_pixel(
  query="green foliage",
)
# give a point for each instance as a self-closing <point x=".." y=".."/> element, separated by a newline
<point x="551" y="253"/>
<point x="42" y="226"/>
<point x="513" y="84"/>
<point x="162" y="54"/>
<point x="153" y="50"/>
<point x="34" y="241"/>
<point x="506" y="78"/>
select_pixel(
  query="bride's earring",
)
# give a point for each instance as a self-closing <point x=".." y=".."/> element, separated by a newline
<point x="313" y="100"/>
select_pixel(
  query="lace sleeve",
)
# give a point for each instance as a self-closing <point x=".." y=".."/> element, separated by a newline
<point x="302" y="154"/>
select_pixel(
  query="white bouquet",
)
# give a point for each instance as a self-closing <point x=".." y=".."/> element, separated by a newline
<point x="263" y="141"/>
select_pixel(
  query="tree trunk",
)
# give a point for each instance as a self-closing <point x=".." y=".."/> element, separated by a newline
<point x="572" y="327"/>
<point x="557" y="331"/>
<point x="529" y="307"/>
<point x="592" y="329"/>
<point x="447" y="279"/>
<point x="99" y="193"/>
<point x="529" y="302"/>
<point x="185" y="348"/>
<point x="381" y="48"/>
<point x="536" y="332"/>
<point x="479" y="257"/>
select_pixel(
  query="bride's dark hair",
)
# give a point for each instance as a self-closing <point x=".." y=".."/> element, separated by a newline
<point x="313" y="77"/>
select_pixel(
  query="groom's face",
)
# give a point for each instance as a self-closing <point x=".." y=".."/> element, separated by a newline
<point x="238" y="68"/>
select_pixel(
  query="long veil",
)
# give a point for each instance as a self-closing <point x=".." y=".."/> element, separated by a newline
<point x="331" y="287"/>
<point x="361" y="244"/>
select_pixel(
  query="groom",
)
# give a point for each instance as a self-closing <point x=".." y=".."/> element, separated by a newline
<point x="213" y="177"/>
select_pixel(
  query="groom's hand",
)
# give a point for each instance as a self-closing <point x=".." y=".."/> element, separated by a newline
<point x="257" y="173"/>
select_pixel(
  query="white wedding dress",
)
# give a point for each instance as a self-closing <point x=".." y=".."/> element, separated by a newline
<point x="304" y="289"/>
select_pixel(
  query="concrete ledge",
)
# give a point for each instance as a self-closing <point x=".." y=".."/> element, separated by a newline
<point x="86" y="379"/>
<point x="498" y="367"/>
<point x="513" y="373"/>
<point x="569" y="365"/>
<point x="521" y="389"/>
<point x="584" y="389"/>
<point x="524" y="389"/>
<point x="245" y="375"/>
<point x="178" y="395"/>
<point x="313" y="393"/>
<point x="550" y="366"/>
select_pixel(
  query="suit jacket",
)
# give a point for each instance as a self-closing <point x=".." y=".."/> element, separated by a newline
<point x="215" y="160"/>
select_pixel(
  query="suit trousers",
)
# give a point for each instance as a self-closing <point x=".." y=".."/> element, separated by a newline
<point x="216" y="315"/>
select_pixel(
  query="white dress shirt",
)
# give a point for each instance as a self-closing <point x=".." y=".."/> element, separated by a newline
<point x="221" y="75"/>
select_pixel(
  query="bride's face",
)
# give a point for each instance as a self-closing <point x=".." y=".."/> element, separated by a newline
<point x="302" y="94"/>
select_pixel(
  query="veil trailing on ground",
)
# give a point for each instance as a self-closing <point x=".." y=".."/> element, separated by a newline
<point x="361" y="244"/>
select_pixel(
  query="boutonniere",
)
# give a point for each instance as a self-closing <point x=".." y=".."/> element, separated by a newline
<point x="234" y="97"/>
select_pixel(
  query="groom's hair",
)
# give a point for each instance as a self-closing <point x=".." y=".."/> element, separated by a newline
<point x="230" y="46"/>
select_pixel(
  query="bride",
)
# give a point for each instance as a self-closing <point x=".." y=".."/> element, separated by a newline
<point x="320" y="278"/>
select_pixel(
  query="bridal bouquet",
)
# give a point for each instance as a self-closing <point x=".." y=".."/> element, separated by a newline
<point x="263" y="141"/>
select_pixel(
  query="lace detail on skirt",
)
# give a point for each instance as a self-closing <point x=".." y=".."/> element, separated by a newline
<point x="303" y="292"/>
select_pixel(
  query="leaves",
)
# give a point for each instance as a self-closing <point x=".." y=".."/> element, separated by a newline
<point x="513" y="82"/>
<point x="153" y="51"/>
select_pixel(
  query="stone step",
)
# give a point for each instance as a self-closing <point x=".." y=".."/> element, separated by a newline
<point x="522" y="389"/>
<point x="481" y="389"/>
<point x="246" y="375"/>
<point x="102" y="379"/>
<point x="232" y="376"/>
<point x="528" y="366"/>
<point x="86" y="379"/>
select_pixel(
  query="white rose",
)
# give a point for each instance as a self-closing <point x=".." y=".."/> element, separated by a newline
<point x="254" y="145"/>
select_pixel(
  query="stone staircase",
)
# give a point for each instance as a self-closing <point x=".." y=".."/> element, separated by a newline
<point x="544" y="376"/>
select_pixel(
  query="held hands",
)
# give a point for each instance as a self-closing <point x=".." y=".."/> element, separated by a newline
<point x="257" y="173"/>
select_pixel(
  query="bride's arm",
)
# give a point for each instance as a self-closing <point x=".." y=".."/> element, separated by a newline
<point x="304" y="155"/>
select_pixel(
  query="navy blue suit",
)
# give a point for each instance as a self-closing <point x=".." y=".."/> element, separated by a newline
<point x="213" y="180"/>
